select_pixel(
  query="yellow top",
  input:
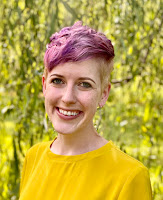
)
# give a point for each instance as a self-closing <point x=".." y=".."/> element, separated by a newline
<point x="103" y="174"/>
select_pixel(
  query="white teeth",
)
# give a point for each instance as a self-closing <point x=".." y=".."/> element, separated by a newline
<point x="68" y="113"/>
<point x="65" y="112"/>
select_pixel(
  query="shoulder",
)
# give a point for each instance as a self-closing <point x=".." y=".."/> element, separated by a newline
<point x="130" y="170"/>
<point x="39" y="146"/>
<point x="38" y="149"/>
<point x="125" y="161"/>
<point x="133" y="175"/>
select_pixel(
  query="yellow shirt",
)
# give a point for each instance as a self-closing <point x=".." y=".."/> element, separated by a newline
<point x="103" y="174"/>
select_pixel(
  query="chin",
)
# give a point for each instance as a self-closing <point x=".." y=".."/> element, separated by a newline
<point x="65" y="129"/>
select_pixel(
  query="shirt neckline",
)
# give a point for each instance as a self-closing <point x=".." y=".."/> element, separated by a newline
<point x="84" y="156"/>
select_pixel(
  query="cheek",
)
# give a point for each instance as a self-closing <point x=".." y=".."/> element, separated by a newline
<point x="90" y="100"/>
<point x="51" y="94"/>
<point x="51" y="98"/>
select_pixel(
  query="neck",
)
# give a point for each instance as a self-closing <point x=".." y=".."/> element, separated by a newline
<point x="77" y="144"/>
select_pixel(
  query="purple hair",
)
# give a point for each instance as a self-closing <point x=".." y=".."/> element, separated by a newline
<point x="77" y="43"/>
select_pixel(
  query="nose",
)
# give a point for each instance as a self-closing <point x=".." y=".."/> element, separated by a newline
<point x="69" y="95"/>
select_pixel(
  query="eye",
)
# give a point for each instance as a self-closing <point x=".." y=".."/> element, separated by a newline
<point x="57" y="81"/>
<point x="85" y="85"/>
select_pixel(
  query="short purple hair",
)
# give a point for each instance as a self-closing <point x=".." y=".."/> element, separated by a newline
<point x="77" y="43"/>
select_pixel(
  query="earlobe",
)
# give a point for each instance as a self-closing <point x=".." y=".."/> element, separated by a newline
<point x="105" y="95"/>
<point x="43" y="85"/>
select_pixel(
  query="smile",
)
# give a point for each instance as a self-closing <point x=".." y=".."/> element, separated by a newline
<point x="68" y="112"/>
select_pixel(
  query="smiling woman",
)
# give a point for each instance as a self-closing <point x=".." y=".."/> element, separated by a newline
<point x="79" y="164"/>
<point x="78" y="92"/>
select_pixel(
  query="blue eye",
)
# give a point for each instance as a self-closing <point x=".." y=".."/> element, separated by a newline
<point x="85" y="85"/>
<point x="57" y="81"/>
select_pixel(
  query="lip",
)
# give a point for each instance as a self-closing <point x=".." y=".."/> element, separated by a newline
<point x="68" y="117"/>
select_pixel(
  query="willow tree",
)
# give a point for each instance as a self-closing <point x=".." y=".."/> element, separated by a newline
<point x="132" y="116"/>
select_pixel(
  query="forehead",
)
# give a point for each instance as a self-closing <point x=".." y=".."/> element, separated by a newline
<point x="89" y="68"/>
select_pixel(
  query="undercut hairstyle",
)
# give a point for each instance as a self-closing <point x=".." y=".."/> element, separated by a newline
<point x="79" y="43"/>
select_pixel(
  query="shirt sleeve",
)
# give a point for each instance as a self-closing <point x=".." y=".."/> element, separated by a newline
<point x="137" y="186"/>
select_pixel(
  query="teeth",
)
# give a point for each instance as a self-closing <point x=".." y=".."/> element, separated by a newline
<point x="68" y="113"/>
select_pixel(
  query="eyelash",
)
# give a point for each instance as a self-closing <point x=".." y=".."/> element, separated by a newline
<point x="57" y="81"/>
<point x="87" y="85"/>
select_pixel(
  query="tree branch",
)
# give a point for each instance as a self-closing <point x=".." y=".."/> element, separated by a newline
<point x="121" y="81"/>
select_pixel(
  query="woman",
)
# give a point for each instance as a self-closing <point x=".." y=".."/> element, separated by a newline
<point x="79" y="164"/>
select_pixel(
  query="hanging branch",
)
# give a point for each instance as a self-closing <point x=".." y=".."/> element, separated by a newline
<point x="70" y="10"/>
<point x="152" y="36"/>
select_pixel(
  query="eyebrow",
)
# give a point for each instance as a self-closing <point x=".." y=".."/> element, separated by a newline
<point x="81" y="78"/>
<point x="57" y="75"/>
<point x="87" y="78"/>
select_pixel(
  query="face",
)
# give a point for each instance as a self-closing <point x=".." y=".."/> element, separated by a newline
<point x="72" y="94"/>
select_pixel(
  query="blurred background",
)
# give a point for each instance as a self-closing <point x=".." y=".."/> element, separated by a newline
<point x="133" y="115"/>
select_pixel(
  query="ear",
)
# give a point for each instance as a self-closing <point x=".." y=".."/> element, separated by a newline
<point x="44" y="85"/>
<point x="105" y="95"/>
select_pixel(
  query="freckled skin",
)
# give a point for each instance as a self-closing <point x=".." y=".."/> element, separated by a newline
<point x="67" y="87"/>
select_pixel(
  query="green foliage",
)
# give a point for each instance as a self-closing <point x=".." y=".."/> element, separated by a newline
<point x="132" y="117"/>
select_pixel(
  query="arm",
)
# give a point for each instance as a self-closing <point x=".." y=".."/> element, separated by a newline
<point x="137" y="186"/>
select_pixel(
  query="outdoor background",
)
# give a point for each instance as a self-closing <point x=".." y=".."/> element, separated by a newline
<point x="133" y="115"/>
